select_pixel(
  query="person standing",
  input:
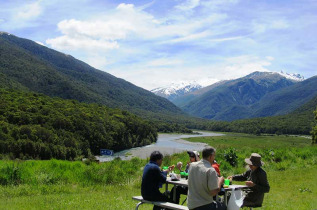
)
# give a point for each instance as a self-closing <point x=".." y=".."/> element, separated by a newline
<point x="256" y="179"/>
<point x="204" y="183"/>
<point x="153" y="179"/>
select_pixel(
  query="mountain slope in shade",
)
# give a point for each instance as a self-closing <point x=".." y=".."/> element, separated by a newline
<point x="234" y="99"/>
<point x="286" y="100"/>
<point x="25" y="64"/>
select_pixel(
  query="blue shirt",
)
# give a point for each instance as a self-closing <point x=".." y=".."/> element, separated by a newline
<point x="152" y="180"/>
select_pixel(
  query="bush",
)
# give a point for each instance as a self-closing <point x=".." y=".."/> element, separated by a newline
<point x="231" y="156"/>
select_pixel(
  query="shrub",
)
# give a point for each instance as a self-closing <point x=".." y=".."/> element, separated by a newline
<point x="231" y="156"/>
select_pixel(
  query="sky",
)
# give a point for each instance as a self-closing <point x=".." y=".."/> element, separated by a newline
<point x="158" y="42"/>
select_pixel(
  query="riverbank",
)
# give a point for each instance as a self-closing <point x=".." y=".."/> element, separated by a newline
<point x="167" y="144"/>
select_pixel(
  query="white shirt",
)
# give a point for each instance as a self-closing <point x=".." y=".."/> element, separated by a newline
<point x="202" y="179"/>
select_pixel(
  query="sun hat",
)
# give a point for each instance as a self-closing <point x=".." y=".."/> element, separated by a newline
<point x="255" y="160"/>
<point x="194" y="154"/>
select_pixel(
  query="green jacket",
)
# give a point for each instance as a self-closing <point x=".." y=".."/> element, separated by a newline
<point x="255" y="196"/>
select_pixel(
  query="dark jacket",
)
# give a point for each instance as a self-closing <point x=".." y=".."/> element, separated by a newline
<point x="152" y="180"/>
<point x="255" y="196"/>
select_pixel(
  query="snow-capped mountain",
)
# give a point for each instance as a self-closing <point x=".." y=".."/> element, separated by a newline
<point x="296" y="77"/>
<point x="176" y="89"/>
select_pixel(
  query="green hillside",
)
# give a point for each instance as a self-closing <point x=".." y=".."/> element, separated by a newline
<point x="286" y="100"/>
<point x="25" y="64"/>
<point x="300" y="121"/>
<point x="36" y="126"/>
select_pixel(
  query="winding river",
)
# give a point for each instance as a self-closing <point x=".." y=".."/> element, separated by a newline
<point x="166" y="143"/>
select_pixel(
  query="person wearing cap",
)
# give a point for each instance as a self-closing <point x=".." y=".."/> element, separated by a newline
<point x="153" y="178"/>
<point x="256" y="179"/>
<point x="193" y="157"/>
<point x="204" y="183"/>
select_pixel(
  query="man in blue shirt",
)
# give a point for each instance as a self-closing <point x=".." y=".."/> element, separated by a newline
<point x="153" y="178"/>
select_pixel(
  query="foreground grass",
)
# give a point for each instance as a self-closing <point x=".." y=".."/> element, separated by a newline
<point x="287" y="192"/>
<point x="290" y="164"/>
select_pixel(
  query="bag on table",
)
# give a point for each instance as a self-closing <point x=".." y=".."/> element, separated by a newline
<point x="236" y="200"/>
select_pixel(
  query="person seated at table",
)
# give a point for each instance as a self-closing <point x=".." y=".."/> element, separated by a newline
<point x="204" y="183"/>
<point x="216" y="166"/>
<point x="153" y="178"/>
<point x="193" y="157"/>
<point x="256" y="179"/>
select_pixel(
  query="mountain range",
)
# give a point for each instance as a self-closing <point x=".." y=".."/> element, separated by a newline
<point x="26" y="65"/>
<point x="258" y="94"/>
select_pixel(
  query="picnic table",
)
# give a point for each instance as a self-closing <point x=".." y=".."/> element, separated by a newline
<point x="184" y="182"/>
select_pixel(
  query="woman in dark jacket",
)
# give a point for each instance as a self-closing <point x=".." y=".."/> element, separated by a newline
<point x="256" y="179"/>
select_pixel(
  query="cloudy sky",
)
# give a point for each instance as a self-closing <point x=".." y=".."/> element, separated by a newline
<point x="155" y="43"/>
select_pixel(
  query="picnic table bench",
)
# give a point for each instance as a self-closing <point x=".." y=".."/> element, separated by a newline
<point x="159" y="203"/>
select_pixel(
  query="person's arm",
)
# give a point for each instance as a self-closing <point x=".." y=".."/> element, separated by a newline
<point x="163" y="174"/>
<point x="220" y="183"/>
<point x="241" y="177"/>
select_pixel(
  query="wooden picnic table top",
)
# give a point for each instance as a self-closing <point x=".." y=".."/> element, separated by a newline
<point x="184" y="182"/>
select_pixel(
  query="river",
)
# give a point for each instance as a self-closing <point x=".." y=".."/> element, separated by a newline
<point x="167" y="144"/>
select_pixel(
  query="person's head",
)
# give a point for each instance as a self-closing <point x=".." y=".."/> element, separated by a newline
<point x="157" y="157"/>
<point x="193" y="156"/>
<point x="209" y="153"/>
<point x="254" y="161"/>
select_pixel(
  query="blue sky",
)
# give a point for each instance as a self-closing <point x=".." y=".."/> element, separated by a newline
<point x="156" y="43"/>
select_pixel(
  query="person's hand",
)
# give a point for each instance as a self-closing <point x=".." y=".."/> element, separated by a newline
<point x="230" y="177"/>
<point x="179" y="165"/>
<point x="249" y="183"/>
<point x="171" y="168"/>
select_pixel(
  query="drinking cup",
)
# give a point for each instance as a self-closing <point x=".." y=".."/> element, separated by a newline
<point x="227" y="181"/>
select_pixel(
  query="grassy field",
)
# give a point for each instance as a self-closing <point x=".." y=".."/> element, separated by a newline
<point x="289" y="161"/>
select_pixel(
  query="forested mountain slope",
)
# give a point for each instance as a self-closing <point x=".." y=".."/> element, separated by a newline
<point x="300" y="121"/>
<point x="259" y="94"/>
<point x="37" y="126"/>
<point x="25" y="64"/>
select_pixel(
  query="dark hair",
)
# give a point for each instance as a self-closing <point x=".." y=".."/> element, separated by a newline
<point x="208" y="151"/>
<point x="156" y="155"/>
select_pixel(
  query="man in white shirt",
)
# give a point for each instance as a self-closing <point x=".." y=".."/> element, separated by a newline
<point x="203" y="183"/>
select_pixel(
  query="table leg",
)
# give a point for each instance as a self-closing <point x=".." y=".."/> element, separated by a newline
<point x="174" y="194"/>
<point x="226" y="198"/>
<point x="166" y="188"/>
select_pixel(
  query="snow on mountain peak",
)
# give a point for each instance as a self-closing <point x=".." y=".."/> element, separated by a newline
<point x="296" y="77"/>
<point x="177" y="88"/>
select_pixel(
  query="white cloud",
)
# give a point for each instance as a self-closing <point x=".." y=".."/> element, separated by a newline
<point x="29" y="11"/>
<point x="81" y="43"/>
<point x="188" y="5"/>
<point x="127" y="22"/>
<point x="164" y="62"/>
<point x="41" y="43"/>
<point x="280" y="24"/>
<point x="154" y="44"/>
<point x="163" y="72"/>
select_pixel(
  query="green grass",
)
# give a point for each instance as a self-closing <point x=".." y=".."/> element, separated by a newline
<point x="248" y="141"/>
<point x="290" y="163"/>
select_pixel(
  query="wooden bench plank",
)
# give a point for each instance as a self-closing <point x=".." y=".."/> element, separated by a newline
<point x="161" y="203"/>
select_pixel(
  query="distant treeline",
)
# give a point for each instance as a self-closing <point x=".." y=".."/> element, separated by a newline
<point x="36" y="126"/>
